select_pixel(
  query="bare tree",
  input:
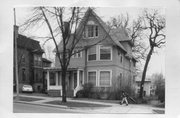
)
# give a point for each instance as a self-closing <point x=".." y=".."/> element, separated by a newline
<point x="63" y="24"/>
<point x="154" y="26"/>
<point x="149" y="26"/>
<point x="134" y="31"/>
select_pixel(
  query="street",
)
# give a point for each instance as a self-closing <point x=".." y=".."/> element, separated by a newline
<point x="28" y="108"/>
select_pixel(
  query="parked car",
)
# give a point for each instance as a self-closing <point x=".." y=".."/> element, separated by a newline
<point x="27" y="88"/>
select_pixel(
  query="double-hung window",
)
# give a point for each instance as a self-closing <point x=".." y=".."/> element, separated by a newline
<point x="91" y="31"/>
<point x="105" y="78"/>
<point x="92" y="53"/>
<point x="92" y="77"/>
<point x="105" y="53"/>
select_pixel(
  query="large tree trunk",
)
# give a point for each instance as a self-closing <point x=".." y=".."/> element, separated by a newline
<point x="144" y="72"/>
<point x="64" y="85"/>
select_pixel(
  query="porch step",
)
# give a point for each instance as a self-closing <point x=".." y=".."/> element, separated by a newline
<point x="54" y="93"/>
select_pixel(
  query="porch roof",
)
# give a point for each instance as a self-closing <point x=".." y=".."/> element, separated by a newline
<point x="58" y="69"/>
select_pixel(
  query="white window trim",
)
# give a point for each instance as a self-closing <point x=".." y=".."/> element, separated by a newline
<point x="110" y="78"/>
<point x="99" y="53"/>
<point x="96" y="76"/>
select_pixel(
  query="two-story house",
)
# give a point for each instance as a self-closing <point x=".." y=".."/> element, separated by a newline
<point x="108" y="65"/>
<point x="29" y="56"/>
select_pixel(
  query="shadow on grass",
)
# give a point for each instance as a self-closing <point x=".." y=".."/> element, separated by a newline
<point x="77" y="104"/>
<point x="27" y="99"/>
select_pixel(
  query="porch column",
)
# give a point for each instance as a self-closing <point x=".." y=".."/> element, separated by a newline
<point x="77" y="78"/>
<point x="82" y="77"/>
<point x="57" y="78"/>
<point x="47" y="79"/>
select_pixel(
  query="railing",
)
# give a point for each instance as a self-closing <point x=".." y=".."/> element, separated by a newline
<point x="78" y="88"/>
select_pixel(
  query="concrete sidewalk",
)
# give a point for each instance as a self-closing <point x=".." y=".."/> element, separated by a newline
<point x="115" y="107"/>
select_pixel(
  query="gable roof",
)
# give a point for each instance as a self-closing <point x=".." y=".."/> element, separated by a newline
<point x="115" y="35"/>
<point x="28" y="43"/>
<point x="46" y="60"/>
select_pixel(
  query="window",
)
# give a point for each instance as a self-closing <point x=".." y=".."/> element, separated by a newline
<point x="105" y="78"/>
<point x="121" y="58"/>
<point x="77" y="54"/>
<point x="37" y="60"/>
<point x="52" y="78"/>
<point x="23" y="75"/>
<point x="91" y="31"/>
<point x="23" y="58"/>
<point x="92" y="53"/>
<point x="92" y="77"/>
<point x="105" y="53"/>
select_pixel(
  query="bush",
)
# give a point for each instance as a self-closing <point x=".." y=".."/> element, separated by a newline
<point x="86" y="92"/>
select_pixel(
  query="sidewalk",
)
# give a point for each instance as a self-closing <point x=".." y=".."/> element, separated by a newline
<point x="115" y="107"/>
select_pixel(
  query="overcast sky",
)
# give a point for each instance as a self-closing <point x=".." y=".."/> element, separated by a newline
<point x="157" y="62"/>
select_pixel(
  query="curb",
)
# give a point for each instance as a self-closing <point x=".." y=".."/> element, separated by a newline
<point x="48" y="105"/>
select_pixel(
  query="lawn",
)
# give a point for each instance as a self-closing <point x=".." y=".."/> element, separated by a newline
<point x="159" y="111"/>
<point x="27" y="99"/>
<point x="77" y="104"/>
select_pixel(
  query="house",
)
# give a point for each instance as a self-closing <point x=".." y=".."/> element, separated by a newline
<point x="149" y="87"/>
<point x="45" y="63"/>
<point x="29" y="56"/>
<point x="108" y="65"/>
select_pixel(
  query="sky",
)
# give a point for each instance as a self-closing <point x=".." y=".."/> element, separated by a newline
<point x="157" y="62"/>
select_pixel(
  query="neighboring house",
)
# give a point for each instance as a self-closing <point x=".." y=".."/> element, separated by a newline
<point x="45" y="63"/>
<point x="149" y="87"/>
<point x="30" y="69"/>
<point x="109" y="65"/>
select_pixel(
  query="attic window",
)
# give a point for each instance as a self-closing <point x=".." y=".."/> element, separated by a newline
<point x="91" y="31"/>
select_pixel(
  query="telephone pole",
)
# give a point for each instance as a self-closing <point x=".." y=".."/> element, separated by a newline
<point x="16" y="55"/>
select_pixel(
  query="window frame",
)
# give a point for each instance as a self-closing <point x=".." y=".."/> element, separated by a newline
<point x="105" y="47"/>
<point x="121" y="58"/>
<point x="99" y="75"/>
<point x="95" y="34"/>
<point x="96" y="76"/>
<point x="95" y="53"/>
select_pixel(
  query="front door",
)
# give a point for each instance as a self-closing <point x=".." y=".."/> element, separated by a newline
<point x="75" y="79"/>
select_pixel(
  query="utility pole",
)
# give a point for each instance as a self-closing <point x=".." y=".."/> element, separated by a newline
<point x="16" y="55"/>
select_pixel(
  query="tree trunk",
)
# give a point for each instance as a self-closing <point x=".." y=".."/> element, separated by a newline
<point x="64" y="85"/>
<point x="144" y="72"/>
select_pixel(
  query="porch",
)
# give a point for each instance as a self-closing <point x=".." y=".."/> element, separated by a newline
<point x="74" y="81"/>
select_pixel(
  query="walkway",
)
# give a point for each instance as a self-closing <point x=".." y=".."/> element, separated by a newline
<point x="115" y="107"/>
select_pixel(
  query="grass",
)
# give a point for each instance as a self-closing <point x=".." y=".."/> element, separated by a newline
<point x="159" y="111"/>
<point x="76" y="104"/>
<point x="27" y="99"/>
